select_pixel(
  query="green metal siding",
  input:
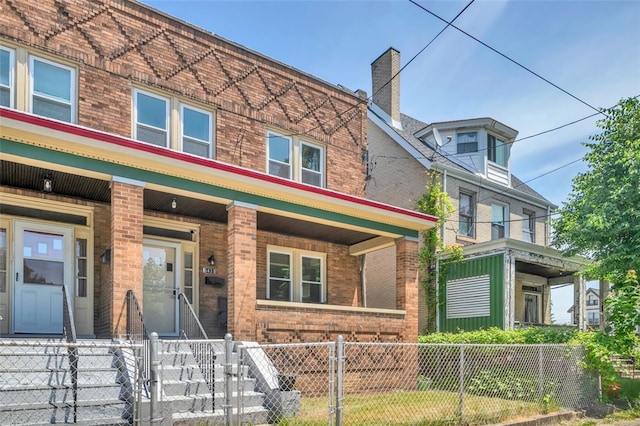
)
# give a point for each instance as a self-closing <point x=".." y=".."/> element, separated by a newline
<point x="488" y="265"/>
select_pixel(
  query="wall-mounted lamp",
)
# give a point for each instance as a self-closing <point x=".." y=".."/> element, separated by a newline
<point x="211" y="260"/>
<point x="174" y="203"/>
<point x="47" y="183"/>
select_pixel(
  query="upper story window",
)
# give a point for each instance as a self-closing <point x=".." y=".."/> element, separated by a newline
<point x="496" y="150"/>
<point x="154" y="121"/>
<point x="52" y="89"/>
<point x="7" y="66"/>
<point x="467" y="142"/>
<point x="296" y="159"/>
<point x="592" y="301"/>
<point x="499" y="224"/>
<point x="528" y="226"/>
<point x="465" y="214"/>
<point x="296" y="276"/>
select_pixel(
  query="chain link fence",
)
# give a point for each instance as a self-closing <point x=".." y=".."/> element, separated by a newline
<point x="45" y="381"/>
<point x="222" y="382"/>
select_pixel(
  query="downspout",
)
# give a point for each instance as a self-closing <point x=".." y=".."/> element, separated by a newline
<point x="363" y="280"/>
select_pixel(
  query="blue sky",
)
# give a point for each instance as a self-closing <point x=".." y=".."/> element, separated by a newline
<point x="591" y="49"/>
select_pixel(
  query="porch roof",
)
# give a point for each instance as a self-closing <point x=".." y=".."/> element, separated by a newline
<point x="64" y="147"/>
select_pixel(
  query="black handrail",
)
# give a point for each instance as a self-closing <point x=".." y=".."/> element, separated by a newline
<point x="69" y="333"/>
<point x="137" y="332"/>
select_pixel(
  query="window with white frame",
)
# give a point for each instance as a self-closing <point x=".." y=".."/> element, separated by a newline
<point x="52" y="89"/>
<point x="295" y="276"/>
<point x="154" y="121"/>
<point x="528" y="226"/>
<point x="467" y="142"/>
<point x="499" y="215"/>
<point x="466" y="210"/>
<point x="496" y="150"/>
<point x="7" y="70"/>
<point x="292" y="158"/>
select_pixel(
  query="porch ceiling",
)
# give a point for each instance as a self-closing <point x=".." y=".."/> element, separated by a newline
<point x="541" y="270"/>
<point x="73" y="185"/>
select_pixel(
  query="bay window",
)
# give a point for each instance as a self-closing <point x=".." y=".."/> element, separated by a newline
<point x="497" y="150"/>
<point x="467" y="142"/>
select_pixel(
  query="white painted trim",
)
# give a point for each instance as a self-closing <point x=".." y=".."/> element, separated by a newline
<point x="236" y="203"/>
<point x="128" y="181"/>
<point x="384" y="116"/>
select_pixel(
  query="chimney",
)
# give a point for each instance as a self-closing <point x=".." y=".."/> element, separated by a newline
<point x="386" y="92"/>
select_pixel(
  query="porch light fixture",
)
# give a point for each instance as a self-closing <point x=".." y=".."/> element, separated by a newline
<point x="47" y="184"/>
<point x="174" y="203"/>
<point x="211" y="260"/>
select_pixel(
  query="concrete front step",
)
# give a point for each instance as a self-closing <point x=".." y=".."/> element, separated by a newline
<point x="249" y="416"/>
<point x="100" y="412"/>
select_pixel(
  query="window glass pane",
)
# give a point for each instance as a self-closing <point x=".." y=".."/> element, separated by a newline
<point x="279" y="290"/>
<point x="43" y="272"/>
<point x="81" y="247"/>
<point x="279" y="265"/>
<point x="154" y="136"/>
<point x="279" y="169"/>
<point x="151" y="111"/>
<point x="5" y="97"/>
<point x="51" y="109"/>
<point x="196" y="124"/>
<point x="3" y="260"/>
<point x="188" y="260"/>
<point x="311" y="269"/>
<point x="500" y="153"/>
<point x="279" y="148"/>
<point x="5" y="67"/>
<point x="311" y="157"/>
<point x="467" y="137"/>
<point x="311" y="178"/>
<point x="311" y="293"/>
<point x="51" y="80"/>
<point x="497" y="213"/>
<point x="196" y="148"/>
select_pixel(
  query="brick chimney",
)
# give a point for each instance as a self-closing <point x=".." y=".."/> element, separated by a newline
<point x="386" y="93"/>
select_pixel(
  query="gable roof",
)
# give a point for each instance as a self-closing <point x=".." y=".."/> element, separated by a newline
<point x="421" y="151"/>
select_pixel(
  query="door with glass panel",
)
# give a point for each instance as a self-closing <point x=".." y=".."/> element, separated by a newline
<point x="43" y="264"/>
<point x="161" y="264"/>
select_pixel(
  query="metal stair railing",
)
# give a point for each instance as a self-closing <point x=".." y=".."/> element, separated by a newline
<point x="191" y="330"/>
<point x="137" y="334"/>
<point x="69" y="334"/>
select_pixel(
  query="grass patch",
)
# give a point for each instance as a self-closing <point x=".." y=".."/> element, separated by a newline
<point x="416" y="408"/>
<point x="629" y="389"/>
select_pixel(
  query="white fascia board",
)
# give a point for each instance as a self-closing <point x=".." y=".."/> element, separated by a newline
<point x="484" y="183"/>
<point x="384" y="126"/>
<point x="384" y="116"/>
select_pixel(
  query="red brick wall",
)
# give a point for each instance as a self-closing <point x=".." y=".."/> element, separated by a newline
<point x="126" y="250"/>
<point x="120" y="45"/>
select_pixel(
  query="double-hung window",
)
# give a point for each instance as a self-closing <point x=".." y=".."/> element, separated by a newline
<point x="52" y="89"/>
<point x="499" y="214"/>
<point x="7" y="70"/>
<point x="292" y="158"/>
<point x="467" y="142"/>
<point x="465" y="214"/>
<point x="295" y="276"/>
<point x="155" y="116"/>
<point x="528" y="226"/>
<point x="496" y="150"/>
<point x="151" y="118"/>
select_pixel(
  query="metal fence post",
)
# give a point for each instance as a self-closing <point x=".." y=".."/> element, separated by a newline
<point x="461" y="397"/>
<point x="339" y="380"/>
<point x="228" y="382"/>
<point x="153" y="378"/>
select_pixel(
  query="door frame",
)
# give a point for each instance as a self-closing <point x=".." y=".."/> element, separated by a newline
<point x="177" y="271"/>
<point x="20" y="226"/>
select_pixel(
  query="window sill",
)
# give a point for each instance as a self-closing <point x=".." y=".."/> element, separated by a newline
<point x="324" y="307"/>
<point x="465" y="239"/>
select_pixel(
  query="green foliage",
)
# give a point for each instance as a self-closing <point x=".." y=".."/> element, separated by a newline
<point x="435" y="202"/>
<point x="601" y="218"/>
<point x="510" y="384"/>
<point x="599" y="353"/>
<point x="530" y="335"/>
<point x="623" y="314"/>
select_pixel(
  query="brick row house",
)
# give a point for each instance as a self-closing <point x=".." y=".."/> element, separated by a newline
<point x="142" y="153"/>
<point x="508" y="270"/>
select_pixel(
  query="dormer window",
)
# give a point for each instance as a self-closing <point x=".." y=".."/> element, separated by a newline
<point x="496" y="150"/>
<point x="467" y="142"/>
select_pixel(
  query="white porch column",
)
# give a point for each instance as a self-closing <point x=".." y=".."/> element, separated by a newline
<point x="509" y="289"/>
<point x="579" y="304"/>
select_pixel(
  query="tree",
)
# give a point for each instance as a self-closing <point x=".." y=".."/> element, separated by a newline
<point x="601" y="218"/>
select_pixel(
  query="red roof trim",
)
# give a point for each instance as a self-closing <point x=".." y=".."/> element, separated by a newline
<point x="212" y="164"/>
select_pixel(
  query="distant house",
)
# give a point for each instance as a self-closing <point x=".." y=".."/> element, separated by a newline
<point x="508" y="270"/>
<point x="593" y="308"/>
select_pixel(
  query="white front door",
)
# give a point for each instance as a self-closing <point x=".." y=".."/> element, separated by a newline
<point x="43" y="264"/>
<point x="161" y="264"/>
